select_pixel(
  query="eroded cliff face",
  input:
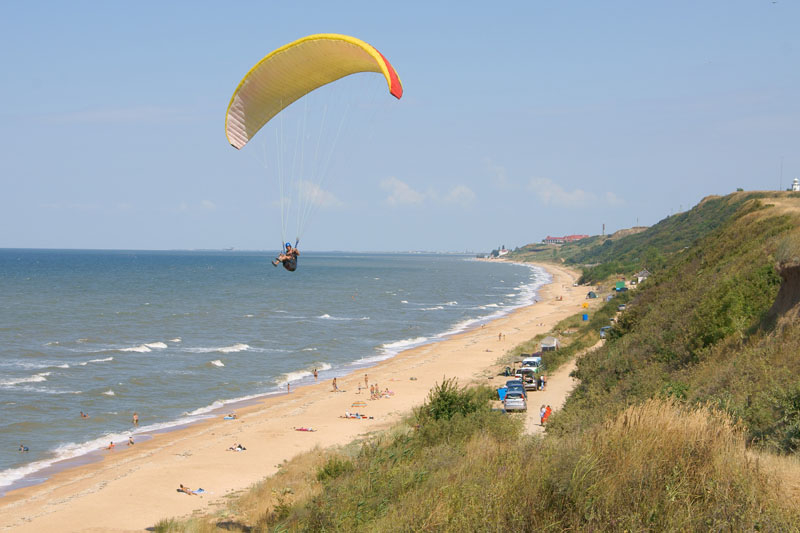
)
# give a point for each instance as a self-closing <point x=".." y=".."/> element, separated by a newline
<point x="786" y="303"/>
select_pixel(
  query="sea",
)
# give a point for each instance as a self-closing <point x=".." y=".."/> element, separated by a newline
<point x="180" y="336"/>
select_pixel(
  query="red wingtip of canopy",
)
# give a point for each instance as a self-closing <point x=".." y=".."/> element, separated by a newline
<point x="395" y="87"/>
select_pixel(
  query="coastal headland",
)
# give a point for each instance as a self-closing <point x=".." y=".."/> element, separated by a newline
<point x="134" y="487"/>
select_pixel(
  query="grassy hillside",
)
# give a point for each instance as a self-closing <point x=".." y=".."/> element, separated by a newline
<point x="602" y="257"/>
<point x="687" y="419"/>
<point x="704" y="331"/>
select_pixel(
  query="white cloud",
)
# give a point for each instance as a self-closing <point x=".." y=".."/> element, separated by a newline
<point x="549" y="192"/>
<point x="208" y="205"/>
<point x="460" y="195"/>
<point x="400" y="193"/>
<point x="314" y="195"/>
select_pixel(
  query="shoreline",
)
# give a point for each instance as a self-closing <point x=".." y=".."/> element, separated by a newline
<point x="137" y="485"/>
<point x="55" y="465"/>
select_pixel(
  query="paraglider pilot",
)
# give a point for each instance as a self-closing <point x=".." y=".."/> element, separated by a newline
<point x="288" y="258"/>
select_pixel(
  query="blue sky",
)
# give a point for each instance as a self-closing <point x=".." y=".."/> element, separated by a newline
<point x="519" y="120"/>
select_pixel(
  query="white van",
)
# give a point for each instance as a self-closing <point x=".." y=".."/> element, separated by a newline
<point x="534" y="362"/>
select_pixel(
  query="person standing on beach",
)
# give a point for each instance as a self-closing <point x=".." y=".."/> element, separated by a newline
<point x="130" y="441"/>
<point x="542" y="411"/>
<point x="315" y="374"/>
<point x="136" y="419"/>
<point x="366" y="382"/>
<point x="335" y="387"/>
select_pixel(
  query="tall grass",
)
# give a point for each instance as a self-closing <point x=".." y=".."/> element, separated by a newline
<point x="657" y="466"/>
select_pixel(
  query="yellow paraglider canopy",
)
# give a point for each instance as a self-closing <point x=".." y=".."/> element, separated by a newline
<point x="294" y="70"/>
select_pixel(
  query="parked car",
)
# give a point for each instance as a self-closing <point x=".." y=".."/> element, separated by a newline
<point x="621" y="307"/>
<point x="603" y="331"/>
<point x="534" y="361"/>
<point x="528" y="376"/>
<point x="515" y="401"/>
<point x="517" y="385"/>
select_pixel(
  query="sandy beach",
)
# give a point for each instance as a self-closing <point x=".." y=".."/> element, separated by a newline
<point x="134" y="487"/>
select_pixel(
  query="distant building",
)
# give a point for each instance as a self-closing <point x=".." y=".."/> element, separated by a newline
<point x="562" y="240"/>
<point x="501" y="252"/>
<point x="796" y="184"/>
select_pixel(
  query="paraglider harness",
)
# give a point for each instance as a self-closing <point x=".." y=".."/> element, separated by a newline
<point x="290" y="264"/>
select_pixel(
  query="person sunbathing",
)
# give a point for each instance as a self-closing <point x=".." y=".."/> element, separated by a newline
<point x="187" y="490"/>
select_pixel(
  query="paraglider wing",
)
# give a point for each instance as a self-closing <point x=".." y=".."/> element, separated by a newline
<point x="294" y="70"/>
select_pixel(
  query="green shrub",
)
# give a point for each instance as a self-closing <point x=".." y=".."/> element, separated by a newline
<point x="333" y="468"/>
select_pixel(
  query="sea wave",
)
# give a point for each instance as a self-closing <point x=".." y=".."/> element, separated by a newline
<point x="109" y="392"/>
<point x="36" y="378"/>
<point x="103" y="360"/>
<point x="436" y="308"/>
<point x="142" y="348"/>
<point x="326" y="316"/>
<point x="217" y="362"/>
<point x="238" y="347"/>
<point x="156" y="345"/>
<point x="297" y="375"/>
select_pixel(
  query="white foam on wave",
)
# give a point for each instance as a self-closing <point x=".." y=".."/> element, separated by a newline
<point x="217" y="362"/>
<point x="65" y="365"/>
<point x="109" y="392"/>
<point x="249" y="316"/>
<point x="142" y="348"/>
<point x="238" y="347"/>
<point x="390" y="349"/>
<point x="72" y="450"/>
<point x="156" y="345"/>
<point x="36" y="378"/>
<point x="403" y="301"/>
<point x="326" y="316"/>
<point x="435" y="308"/>
<point x="176" y="339"/>
<point x="297" y="375"/>
<point x="309" y="350"/>
<point x="526" y="296"/>
<point x="105" y="359"/>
